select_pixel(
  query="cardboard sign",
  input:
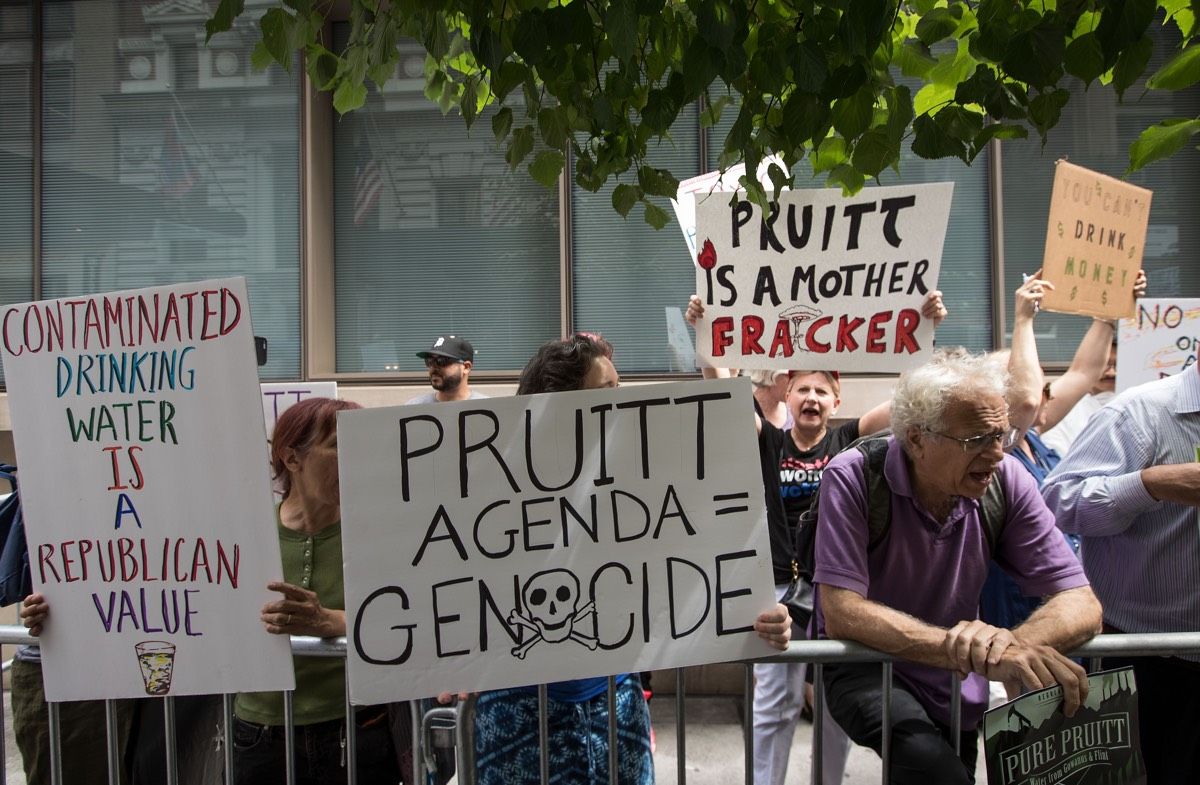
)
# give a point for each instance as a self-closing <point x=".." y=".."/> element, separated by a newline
<point x="278" y="397"/>
<point x="145" y="490"/>
<point x="827" y="282"/>
<point x="725" y="182"/>
<point x="512" y="541"/>
<point x="1030" y="742"/>
<point x="1094" y="242"/>
<point x="1161" y="340"/>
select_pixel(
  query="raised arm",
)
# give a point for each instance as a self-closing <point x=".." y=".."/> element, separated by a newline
<point x="1087" y="366"/>
<point x="1025" y="389"/>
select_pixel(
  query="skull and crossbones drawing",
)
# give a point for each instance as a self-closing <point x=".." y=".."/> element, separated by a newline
<point x="550" y="598"/>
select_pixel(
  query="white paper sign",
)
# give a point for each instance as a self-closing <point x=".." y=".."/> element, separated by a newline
<point x="511" y="541"/>
<point x="725" y="182"/>
<point x="1161" y="340"/>
<point x="278" y="397"/>
<point x="831" y="283"/>
<point x="145" y="490"/>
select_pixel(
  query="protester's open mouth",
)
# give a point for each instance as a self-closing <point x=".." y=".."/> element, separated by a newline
<point x="983" y="478"/>
<point x="810" y="411"/>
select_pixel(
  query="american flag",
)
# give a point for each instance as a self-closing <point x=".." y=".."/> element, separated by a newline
<point x="176" y="175"/>
<point x="368" y="182"/>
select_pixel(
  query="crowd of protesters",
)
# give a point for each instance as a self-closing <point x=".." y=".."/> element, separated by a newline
<point x="953" y="532"/>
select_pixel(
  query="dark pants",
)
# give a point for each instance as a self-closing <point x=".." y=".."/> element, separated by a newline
<point x="320" y="752"/>
<point x="84" y="743"/>
<point x="1168" y="692"/>
<point x="922" y="751"/>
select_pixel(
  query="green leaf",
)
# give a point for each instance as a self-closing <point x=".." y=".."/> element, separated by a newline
<point x="322" y="66"/>
<point x="260" y="58"/>
<point x="804" y="114"/>
<point x="469" y="103"/>
<point x="519" y="146"/>
<point x="501" y="123"/>
<point x="852" y="116"/>
<point x="960" y="123"/>
<point x="874" y="152"/>
<point x="1182" y="70"/>
<point x="546" y="167"/>
<point x="716" y="22"/>
<point x="900" y="113"/>
<point x="654" y="215"/>
<point x="699" y="67"/>
<point x="349" y="96"/>
<point x="1161" y="141"/>
<point x="553" y="127"/>
<point x="931" y="141"/>
<point x="1035" y="56"/>
<point x="849" y="178"/>
<point x="1132" y="64"/>
<point x="276" y="25"/>
<point x="914" y="60"/>
<point x="830" y="153"/>
<point x="624" y="197"/>
<point x="530" y="39"/>
<point x="381" y="72"/>
<point x="936" y="25"/>
<point x="1046" y="109"/>
<point x="811" y="69"/>
<point x="621" y="27"/>
<point x="509" y="76"/>
<point x="1085" y="58"/>
<point x="222" y="18"/>
<point x="996" y="131"/>
<point x="932" y="97"/>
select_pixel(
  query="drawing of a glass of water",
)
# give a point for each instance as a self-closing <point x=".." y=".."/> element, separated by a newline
<point x="157" y="661"/>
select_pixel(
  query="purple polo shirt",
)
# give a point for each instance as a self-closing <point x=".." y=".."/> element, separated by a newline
<point x="931" y="571"/>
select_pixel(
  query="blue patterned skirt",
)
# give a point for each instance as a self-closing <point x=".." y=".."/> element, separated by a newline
<point x="506" y="738"/>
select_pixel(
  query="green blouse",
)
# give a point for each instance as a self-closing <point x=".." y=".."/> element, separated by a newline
<point x="315" y="563"/>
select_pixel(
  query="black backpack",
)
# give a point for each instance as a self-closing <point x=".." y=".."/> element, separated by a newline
<point x="993" y="507"/>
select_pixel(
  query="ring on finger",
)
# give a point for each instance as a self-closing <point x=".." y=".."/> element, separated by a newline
<point x="288" y="623"/>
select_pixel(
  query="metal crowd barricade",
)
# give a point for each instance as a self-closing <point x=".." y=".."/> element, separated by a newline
<point x="442" y="722"/>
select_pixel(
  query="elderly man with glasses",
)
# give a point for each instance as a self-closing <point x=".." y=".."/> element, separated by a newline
<point x="449" y="362"/>
<point x="902" y="573"/>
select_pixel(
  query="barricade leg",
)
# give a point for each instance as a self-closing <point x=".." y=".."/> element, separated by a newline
<point x="544" y="733"/>
<point x="886" y="743"/>
<point x="170" y="740"/>
<point x="112" y="734"/>
<point x="612" y="730"/>
<point x="56" y="773"/>
<point x="818" y="737"/>
<point x="748" y="722"/>
<point x="351" y="738"/>
<point x="956" y="711"/>
<point x="680" y="732"/>
<point x="227" y="733"/>
<point x="289" y="738"/>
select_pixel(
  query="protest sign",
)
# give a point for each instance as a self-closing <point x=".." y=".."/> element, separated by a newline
<point x="725" y="182"/>
<point x="1094" y="242"/>
<point x="277" y="397"/>
<point x="1030" y="741"/>
<point x="1161" y="340"/>
<point x="511" y="541"/>
<point x="824" y="282"/>
<point x="144" y="484"/>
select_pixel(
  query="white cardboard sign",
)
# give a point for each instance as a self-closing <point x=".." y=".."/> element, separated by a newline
<point x="1161" y="340"/>
<point x="512" y="541"/>
<point x="831" y="283"/>
<point x="145" y="490"/>
<point x="725" y="182"/>
<point x="278" y="397"/>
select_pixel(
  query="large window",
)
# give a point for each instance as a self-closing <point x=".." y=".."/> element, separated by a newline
<point x="167" y="161"/>
<point x="435" y="235"/>
<point x="630" y="282"/>
<point x="1096" y="131"/>
<point x="16" y="151"/>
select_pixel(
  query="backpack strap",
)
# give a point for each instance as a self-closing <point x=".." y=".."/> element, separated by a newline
<point x="993" y="511"/>
<point x="879" y="495"/>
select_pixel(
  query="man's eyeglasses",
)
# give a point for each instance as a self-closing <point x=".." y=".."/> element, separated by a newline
<point x="436" y="360"/>
<point x="976" y="444"/>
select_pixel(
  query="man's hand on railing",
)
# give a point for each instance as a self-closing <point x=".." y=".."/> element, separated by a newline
<point x="1031" y="667"/>
<point x="974" y="645"/>
<point x="775" y="627"/>
<point x="34" y="610"/>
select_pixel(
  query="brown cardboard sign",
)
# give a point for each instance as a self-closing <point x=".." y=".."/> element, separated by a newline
<point x="1094" y="242"/>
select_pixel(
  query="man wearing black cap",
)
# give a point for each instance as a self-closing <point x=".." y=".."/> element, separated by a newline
<point x="449" y="363"/>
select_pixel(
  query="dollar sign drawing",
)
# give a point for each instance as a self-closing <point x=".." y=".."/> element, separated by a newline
<point x="1074" y="291"/>
<point x="1104" y="297"/>
<point x="1060" y="231"/>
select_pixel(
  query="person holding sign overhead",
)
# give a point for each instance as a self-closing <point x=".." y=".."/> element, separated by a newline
<point x="792" y="463"/>
<point x="506" y="721"/>
<point x="305" y="465"/>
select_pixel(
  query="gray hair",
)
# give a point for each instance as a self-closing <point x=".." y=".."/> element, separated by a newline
<point x="924" y="393"/>
<point x="760" y="378"/>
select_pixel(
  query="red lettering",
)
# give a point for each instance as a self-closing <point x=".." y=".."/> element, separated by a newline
<point x="85" y="547"/>
<point x="845" y="334"/>
<point x="810" y="338"/>
<point x="139" y="481"/>
<point x="875" y="343"/>
<point x="721" y="328"/>
<point x="41" y="329"/>
<point x="116" y="470"/>
<point x="228" y="326"/>
<point x="753" y="329"/>
<point x="906" y="324"/>
<point x="7" y="343"/>
<point x="45" y="554"/>
<point x="209" y="312"/>
<point x="782" y="342"/>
